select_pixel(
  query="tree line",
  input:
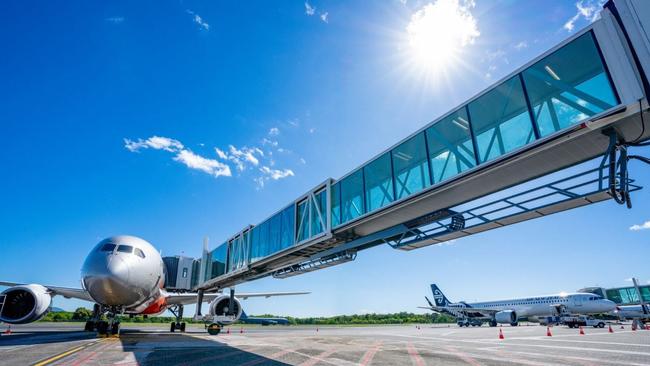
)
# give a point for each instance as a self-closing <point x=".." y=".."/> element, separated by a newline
<point x="82" y="314"/>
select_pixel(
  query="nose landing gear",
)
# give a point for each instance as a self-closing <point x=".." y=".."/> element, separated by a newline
<point x="179" y="323"/>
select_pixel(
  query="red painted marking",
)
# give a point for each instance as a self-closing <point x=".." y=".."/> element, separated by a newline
<point x="415" y="356"/>
<point x="203" y="360"/>
<point x="315" y="359"/>
<point x="370" y="354"/>
<point x="263" y="359"/>
<point x="463" y="356"/>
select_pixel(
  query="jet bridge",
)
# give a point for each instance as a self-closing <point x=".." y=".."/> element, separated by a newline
<point x="551" y="136"/>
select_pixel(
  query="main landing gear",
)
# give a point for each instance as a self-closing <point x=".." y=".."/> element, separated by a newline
<point x="102" y="327"/>
<point x="178" y="324"/>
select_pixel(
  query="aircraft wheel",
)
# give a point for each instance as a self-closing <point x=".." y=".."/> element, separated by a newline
<point x="493" y="323"/>
<point x="514" y="324"/>
<point x="90" y="326"/>
<point x="102" y="327"/>
<point x="172" y="327"/>
<point x="182" y="327"/>
<point x="115" y="328"/>
<point x="214" y="329"/>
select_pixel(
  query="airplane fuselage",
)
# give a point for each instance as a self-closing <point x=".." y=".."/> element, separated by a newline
<point x="125" y="272"/>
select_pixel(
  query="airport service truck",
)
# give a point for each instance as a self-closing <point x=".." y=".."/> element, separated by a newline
<point x="573" y="321"/>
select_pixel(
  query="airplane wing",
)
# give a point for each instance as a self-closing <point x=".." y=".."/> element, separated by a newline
<point x="185" y="298"/>
<point x="66" y="292"/>
<point x="461" y="310"/>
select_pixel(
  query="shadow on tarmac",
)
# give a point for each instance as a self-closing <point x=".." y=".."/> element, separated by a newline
<point x="179" y="348"/>
<point x="39" y="337"/>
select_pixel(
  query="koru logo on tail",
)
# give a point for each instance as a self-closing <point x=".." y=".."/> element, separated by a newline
<point x="439" y="297"/>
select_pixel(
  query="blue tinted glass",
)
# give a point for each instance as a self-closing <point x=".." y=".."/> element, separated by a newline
<point x="352" y="196"/>
<point x="275" y="233"/>
<point x="379" y="183"/>
<point x="568" y="86"/>
<point x="318" y="213"/>
<point x="217" y="261"/>
<point x="500" y="120"/>
<point x="303" y="221"/>
<point x="336" y="204"/>
<point x="255" y="244"/>
<point x="450" y="146"/>
<point x="287" y="227"/>
<point x="410" y="166"/>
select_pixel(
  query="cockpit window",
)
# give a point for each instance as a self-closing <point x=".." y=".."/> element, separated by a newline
<point x="139" y="252"/>
<point x="125" y="249"/>
<point x="107" y="248"/>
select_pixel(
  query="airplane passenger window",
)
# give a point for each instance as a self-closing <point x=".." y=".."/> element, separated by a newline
<point x="139" y="252"/>
<point x="125" y="249"/>
<point x="107" y="248"/>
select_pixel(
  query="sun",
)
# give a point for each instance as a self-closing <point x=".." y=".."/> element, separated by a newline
<point x="439" y="31"/>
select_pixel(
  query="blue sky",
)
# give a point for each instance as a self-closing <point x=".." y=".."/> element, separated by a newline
<point x="254" y="104"/>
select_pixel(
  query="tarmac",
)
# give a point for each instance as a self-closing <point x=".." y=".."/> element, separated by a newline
<point x="65" y="344"/>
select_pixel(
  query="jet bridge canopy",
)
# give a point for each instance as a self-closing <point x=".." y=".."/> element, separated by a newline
<point x="581" y="99"/>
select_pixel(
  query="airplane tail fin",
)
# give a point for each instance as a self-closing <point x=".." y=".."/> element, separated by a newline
<point x="438" y="296"/>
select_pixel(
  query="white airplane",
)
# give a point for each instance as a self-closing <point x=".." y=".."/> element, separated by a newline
<point x="121" y="275"/>
<point x="633" y="312"/>
<point x="510" y="311"/>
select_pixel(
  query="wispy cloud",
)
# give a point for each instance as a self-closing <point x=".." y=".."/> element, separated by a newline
<point x="274" y="131"/>
<point x="309" y="10"/>
<point x="115" y="20"/>
<point x="242" y="158"/>
<point x="182" y="155"/>
<point x="587" y="10"/>
<point x="324" y="17"/>
<point x="153" y="142"/>
<point x="644" y="226"/>
<point x="521" y="45"/>
<point x="209" y="166"/>
<point x="198" y="20"/>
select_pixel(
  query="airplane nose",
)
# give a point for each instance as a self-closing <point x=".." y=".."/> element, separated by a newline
<point x="107" y="280"/>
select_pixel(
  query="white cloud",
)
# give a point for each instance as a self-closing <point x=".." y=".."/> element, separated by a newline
<point x="324" y="17"/>
<point x="209" y="166"/>
<point x="115" y="20"/>
<point x="644" y="226"/>
<point x="266" y="141"/>
<point x="587" y="10"/>
<point x="198" y="20"/>
<point x="302" y="160"/>
<point x="154" y="142"/>
<point x="309" y="10"/>
<point x="276" y="174"/>
<point x="521" y="45"/>
<point x="274" y="131"/>
<point x="240" y="157"/>
<point x="312" y="130"/>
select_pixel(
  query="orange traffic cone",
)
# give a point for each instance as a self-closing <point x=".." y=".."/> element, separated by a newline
<point x="316" y="329"/>
<point x="241" y="330"/>
<point x="634" y="325"/>
<point x="622" y="327"/>
<point x="8" y="331"/>
<point x="501" y="334"/>
<point x="582" y="331"/>
<point x="228" y="331"/>
<point x="548" y="332"/>
<point x="610" y="329"/>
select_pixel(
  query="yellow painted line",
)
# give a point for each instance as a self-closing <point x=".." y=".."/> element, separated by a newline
<point x="52" y="359"/>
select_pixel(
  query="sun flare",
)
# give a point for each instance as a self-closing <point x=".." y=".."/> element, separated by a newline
<point x="439" y="31"/>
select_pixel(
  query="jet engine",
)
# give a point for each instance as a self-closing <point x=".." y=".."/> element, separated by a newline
<point x="506" y="317"/>
<point x="219" y="310"/>
<point x="25" y="304"/>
